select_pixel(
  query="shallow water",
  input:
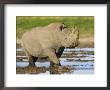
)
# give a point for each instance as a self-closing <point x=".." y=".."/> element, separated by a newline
<point x="76" y="61"/>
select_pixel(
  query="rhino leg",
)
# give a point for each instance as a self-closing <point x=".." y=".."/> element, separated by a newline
<point x="60" y="52"/>
<point x="53" y="64"/>
<point x="52" y="56"/>
<point x="32" y="60"/>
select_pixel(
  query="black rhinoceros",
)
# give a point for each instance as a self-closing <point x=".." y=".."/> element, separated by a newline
<point x="49" y="41"/>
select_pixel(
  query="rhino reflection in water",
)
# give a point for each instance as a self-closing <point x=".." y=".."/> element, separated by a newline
<point x="49" y="41"/>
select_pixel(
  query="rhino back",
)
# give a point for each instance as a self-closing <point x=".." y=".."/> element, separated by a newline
<point x="49" y="38"/>
<point x="37" y="41"/>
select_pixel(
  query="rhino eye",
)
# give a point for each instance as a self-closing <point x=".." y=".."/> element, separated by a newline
<point x="65" y="38"/>
<point x="65" y="27"/>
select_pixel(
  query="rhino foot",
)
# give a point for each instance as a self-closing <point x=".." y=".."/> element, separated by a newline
<point x="31" y="64"/>
<point x="32" y="61"/>
<point x="54" y="65"/>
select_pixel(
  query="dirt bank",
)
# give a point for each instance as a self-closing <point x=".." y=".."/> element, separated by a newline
<point x="86" y="42"/>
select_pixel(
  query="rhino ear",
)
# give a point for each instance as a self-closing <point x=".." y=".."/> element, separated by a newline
<point x="62" y="26"/>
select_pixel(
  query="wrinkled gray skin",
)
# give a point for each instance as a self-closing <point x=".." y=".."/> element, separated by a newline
<point x="49" y="41"/>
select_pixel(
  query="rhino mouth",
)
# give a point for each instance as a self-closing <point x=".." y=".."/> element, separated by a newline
<point x="74" y="45"/>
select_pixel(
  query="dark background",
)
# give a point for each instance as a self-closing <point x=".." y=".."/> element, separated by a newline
<point x="57" y="1"/>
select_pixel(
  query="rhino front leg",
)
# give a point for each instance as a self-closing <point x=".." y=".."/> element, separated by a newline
<point x="58" y="54"/>
<point x="54" y="60"/>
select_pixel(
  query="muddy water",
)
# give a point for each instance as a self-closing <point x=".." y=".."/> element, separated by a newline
<point x="73" y="61"/>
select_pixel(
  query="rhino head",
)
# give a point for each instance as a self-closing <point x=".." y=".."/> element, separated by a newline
<point x="71" y="39"/>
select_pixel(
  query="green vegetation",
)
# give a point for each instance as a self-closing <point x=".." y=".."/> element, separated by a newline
<point x="25" y="23"/>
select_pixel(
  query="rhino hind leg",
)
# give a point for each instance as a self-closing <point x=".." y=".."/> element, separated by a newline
<point x="32" y="60"/>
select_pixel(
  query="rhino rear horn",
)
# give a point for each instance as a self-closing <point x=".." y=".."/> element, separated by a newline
<point x="75" y="29"/>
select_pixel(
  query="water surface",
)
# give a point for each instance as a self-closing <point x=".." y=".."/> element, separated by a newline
<point x="73" y="61"/>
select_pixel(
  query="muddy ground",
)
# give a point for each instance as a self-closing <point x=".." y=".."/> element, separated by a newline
<point x="73" y="61"/>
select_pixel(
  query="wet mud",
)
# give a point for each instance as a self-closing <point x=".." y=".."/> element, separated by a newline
<point x="37" y="70"/>
<point x="73" y="61"/>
